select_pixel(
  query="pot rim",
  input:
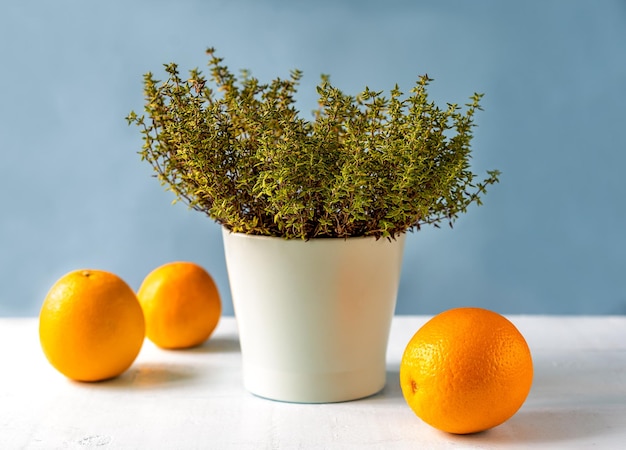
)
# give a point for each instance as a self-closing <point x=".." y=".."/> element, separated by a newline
<point x="226" y="231"/>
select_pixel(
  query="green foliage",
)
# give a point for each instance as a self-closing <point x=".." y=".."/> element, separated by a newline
<point x="365" y="166"/>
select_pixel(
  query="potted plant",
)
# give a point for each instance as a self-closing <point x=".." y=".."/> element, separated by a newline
<point x="314" y="211"/>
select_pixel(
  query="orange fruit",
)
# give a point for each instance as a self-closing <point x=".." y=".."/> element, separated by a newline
<point x="466" y="370"/>
<point x="181" y="304"/>
<point x="91" y="326"/>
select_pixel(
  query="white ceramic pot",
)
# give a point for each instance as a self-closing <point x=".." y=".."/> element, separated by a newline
<point x="313" y="316"/>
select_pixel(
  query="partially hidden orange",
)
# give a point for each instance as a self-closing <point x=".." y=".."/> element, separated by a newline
<point x="181" y="304"/>
<point x="91" y="326"/>
<point x="466" y="370"/>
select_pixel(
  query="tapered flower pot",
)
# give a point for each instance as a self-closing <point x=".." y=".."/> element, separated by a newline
<point x="313" y="316"/>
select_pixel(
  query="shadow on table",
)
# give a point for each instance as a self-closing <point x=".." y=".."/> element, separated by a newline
<point x="392" y="385"/>
<point x="556" y="425"/>
<point x="143" y="375"/>
<point x="391" y="391"/>
<point x="553" y="428"/>
<point x="217" y="344"/>
<point x="150" y="375"/>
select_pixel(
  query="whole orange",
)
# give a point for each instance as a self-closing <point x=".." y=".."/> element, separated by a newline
<point x="466" y="370"/>
<point x="181" y="304"/>
<point x="91" y="326"/>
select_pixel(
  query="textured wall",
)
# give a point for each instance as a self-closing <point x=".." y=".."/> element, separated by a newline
<point x="550" y="238"/>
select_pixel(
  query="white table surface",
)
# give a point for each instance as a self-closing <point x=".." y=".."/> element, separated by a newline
<point x="194" y="399"/>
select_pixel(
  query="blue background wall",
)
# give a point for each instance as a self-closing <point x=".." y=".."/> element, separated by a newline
<point x="551" y="237"/>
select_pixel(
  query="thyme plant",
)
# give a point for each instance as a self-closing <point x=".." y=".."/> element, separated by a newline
<point x="239" y="151"/>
